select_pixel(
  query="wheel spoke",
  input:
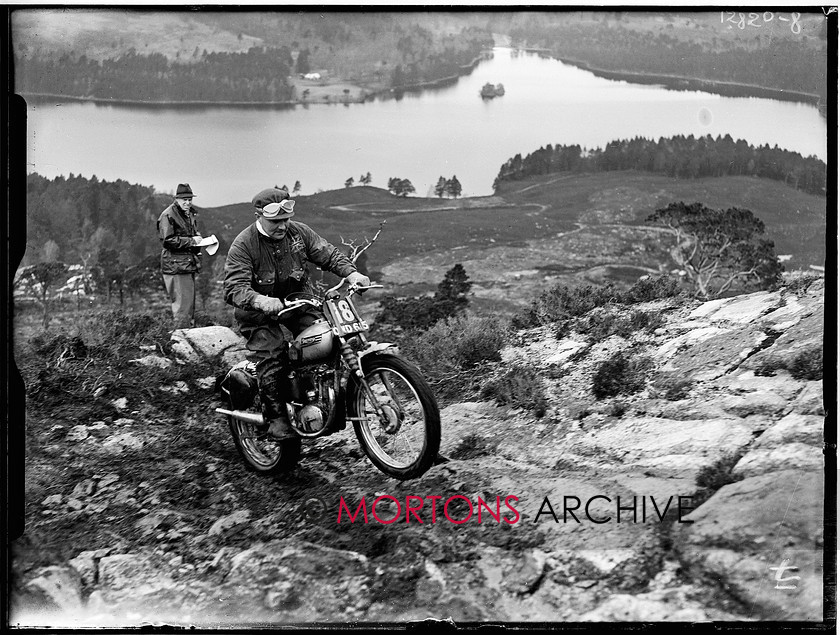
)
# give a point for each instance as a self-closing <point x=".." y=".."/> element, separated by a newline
<point x="397" y="396"/>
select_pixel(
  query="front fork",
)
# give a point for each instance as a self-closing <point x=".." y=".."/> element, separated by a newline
<point x="353" y="362"/>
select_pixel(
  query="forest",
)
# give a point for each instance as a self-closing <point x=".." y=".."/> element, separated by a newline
<point x="71" y="218"/>
<point x="259" y="75"/>
<point x="680" y="156"/>
<point x="779" y="62"/>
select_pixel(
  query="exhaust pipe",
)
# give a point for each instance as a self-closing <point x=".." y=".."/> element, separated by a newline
<point x="242" y="415"/>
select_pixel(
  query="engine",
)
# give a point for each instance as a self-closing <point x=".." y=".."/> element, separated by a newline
<point x="313" y="397"/>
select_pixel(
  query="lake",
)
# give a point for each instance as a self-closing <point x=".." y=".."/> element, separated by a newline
<point x="227" y="154"/>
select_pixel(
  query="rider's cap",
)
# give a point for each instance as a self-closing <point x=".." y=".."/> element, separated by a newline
<point x="274" y="203"/>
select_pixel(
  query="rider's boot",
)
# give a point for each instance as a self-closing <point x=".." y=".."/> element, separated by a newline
<point x="273" y="388"/>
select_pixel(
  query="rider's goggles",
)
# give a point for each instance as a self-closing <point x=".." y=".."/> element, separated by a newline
<point x="277" y="211"/>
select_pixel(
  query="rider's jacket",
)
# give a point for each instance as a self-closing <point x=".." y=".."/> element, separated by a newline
<point x="260" y="265"/>
<point x="175" y="230"/>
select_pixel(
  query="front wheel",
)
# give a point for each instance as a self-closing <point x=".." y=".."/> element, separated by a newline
<point x="404" y="443"/>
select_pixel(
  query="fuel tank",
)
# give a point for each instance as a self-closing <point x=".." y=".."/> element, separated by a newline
<point x="315" y="342"/>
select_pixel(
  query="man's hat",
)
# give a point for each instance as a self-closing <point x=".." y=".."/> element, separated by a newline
<point x="274" y="204"/>
<point x="184" y="191"/>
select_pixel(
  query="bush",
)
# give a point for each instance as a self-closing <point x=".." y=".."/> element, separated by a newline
<point x="807" y="365"/>
<point x="648" y="289"/>
<point x="600" y="325"/>
<point x="449" y="300"/>
<point x="561" y="303"/>
<point x="520" y="387"/>
<point x="620" y="375"/>
<point x="455" y="346"/>
<point x="115" y="333"/>
<point x="711" y="478"/>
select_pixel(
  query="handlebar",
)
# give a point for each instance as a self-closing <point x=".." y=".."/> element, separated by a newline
<point x="296" y="304"/>
<point x="351" y="289"/>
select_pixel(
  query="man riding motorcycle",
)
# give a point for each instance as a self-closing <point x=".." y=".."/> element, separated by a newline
<point x="265" y="263"/>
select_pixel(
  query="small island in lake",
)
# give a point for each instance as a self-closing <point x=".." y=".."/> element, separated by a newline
<point x="488" y="91"/>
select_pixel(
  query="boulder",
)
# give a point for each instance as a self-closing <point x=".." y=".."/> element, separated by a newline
<point x="794" y="428"/>
<point x="119" y="443"/>
<point x="659" y="606"/>
<point x="749" y="529"/>
<point x="804" y="336"/>
<point x="132" y="573"/>
<point x="523" y="574"/>
<point x="755" y="403"/>
<point x="61" y="586"/>
<point x="231" y="524"/>
<point x="310" y="581"/>
<point x="209" y="341"/>
<point x="155" y="361"/>
<point x="781" y="384"/>
<point x="668" y="448"/>
<point x="810" y="400"/>
<point x="86" y="565"/>
<point x="742" y="309"/>
<point x="687" y="340"/>
<point x="791" y="456"/>
<point x="713" y="356"/>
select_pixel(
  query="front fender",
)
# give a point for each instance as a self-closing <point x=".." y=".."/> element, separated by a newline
<point x="378" y="347"/>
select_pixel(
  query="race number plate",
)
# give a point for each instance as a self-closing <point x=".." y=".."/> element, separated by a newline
<point x="347" y="321"/>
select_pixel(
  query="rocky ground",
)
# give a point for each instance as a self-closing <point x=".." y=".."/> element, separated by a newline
<point x="717" y="465"/>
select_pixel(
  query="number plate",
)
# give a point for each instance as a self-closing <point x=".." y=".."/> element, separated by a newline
<point x="348" y="322"/>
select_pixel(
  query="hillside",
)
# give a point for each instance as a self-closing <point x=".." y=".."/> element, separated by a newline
<point x="365" y="53"/>
<point x="544" y="230"/>
<point x="138" y="509"/>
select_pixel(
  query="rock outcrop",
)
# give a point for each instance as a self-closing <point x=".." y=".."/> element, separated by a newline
<point x="703" y="503"/>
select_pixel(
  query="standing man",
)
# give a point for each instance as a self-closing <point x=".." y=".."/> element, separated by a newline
<point x="180" y="258"/>
<point x="266" y="262"/>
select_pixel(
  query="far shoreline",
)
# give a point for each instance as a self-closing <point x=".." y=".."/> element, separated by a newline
<point x="365" y="94"/>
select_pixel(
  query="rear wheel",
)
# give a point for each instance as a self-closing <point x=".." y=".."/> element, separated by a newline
<point x="405" y="444"/>
<point x="261" y="453"/>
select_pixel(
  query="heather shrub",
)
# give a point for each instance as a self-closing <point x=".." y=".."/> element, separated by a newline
<point x="564" y="302"/>
<point x="521" y="387"/>
<point x="649" y="288"/>
<point x="599" y="325"/>
<point x="452" y="348"/>
<point x="712" y="477"/>
<point x="807" y="365"/>
<point x="620" y="374"/>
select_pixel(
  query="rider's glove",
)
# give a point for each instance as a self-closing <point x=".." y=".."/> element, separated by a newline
<point x="358" y="279"/>
<point x="267" y="304"/>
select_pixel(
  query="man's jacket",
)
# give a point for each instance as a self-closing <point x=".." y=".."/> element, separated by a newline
<point x="258" y="265"/>
<point x="175" y="230"/>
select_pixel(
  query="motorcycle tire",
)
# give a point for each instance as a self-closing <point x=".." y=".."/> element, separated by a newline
<point x="410" y="448"/>
<point x="262" y="454"/>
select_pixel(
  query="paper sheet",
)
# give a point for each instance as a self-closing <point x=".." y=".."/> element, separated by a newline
<point x="210" y="242"/>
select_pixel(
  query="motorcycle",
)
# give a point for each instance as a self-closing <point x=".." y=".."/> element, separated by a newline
<point x="339" y="376"/>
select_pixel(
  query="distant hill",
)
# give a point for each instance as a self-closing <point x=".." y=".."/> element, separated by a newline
<point x="539" y="208"/>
